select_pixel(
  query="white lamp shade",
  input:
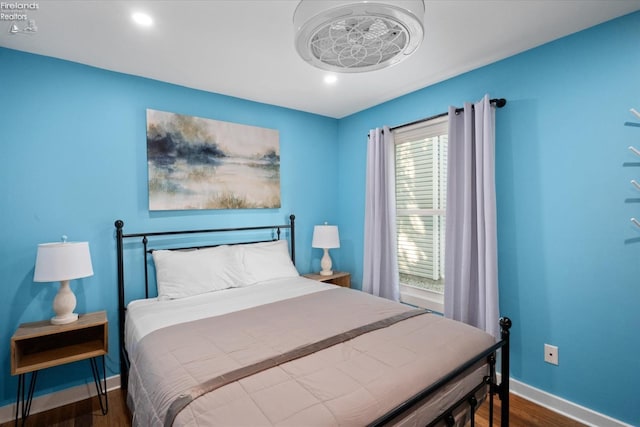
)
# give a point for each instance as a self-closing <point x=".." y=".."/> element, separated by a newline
<point x="57" y="262"/>
<point x="325" y="237"/>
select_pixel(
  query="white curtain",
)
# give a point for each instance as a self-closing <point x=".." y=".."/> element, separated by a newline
<point x="471" y="250"/>
<point x="380" y="264"/>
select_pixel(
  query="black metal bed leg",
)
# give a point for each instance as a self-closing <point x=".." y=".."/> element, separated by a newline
<point x="124" y="370"/>
<point x="491" y="381"/>
<point x="473" y="403"/>
<point x="101" y="389"/>
<point x="505" y="325"/>
<point x="490" y="409"/>
<point x="20" y="397"/>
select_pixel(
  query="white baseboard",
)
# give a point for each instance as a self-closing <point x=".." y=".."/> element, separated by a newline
<point x="59" y="398"/>
<point x="542" y="398"/>
<point x="563" y="406"/>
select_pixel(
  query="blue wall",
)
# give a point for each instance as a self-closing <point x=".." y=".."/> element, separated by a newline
<point x="568" y="254"/>
<point x="73" y="156"/>
<point x="74" y="160"/>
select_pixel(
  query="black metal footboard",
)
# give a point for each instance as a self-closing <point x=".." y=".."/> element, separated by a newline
<point x="489" y="381"/>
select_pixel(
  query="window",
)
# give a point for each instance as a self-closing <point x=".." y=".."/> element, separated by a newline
<point x="421" y="194"/>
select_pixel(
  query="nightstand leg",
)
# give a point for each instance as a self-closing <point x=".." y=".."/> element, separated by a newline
<point x="26" y="408"/>
<point x="100" y="388"/>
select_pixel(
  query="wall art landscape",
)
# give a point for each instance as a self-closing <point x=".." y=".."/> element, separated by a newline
<point x="198" y="163"/>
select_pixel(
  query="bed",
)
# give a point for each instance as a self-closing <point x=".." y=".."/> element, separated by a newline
<point x="222" y="330"/>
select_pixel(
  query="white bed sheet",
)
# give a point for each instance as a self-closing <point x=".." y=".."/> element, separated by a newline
<point x="146" y="315"/>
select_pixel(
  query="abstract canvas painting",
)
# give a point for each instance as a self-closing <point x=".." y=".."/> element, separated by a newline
<point x="199" y="163"/>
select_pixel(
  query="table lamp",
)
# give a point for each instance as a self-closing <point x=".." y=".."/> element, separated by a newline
<point x="63" y="262"/>
<point x="325" y="237"/>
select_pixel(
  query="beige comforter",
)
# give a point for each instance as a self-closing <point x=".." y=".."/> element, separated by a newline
<point x="177" y="374"/>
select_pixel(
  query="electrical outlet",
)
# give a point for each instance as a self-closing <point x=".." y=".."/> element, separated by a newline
<point x="551" y="354"/>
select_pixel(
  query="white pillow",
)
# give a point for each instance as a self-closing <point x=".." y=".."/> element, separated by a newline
<point x="265" y="261"/>
<point x="181" y="274"/>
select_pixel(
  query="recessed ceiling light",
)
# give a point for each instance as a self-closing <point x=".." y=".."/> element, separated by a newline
<point x="142" y="19"/>
<point x="330" y="79"/>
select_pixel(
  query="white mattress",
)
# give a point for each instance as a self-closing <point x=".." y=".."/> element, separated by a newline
<point x="145" y="316"/>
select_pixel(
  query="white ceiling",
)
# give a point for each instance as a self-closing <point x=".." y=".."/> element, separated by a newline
<point x="244" y="48"/>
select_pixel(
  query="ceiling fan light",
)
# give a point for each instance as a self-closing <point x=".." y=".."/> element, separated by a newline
<point x="357" y="36"/>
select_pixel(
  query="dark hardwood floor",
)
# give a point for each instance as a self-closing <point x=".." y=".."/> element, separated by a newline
<point x="524" y="413"/>
<point x="87" y="413"/>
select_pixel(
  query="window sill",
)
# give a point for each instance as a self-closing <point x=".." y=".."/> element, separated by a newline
<point x="422" y="298"/>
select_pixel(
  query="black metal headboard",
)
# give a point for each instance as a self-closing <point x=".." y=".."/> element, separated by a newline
<point x="121" y="236"/>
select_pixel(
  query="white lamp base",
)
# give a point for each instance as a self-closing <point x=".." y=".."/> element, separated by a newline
<point x="57" y="320"/>
<point x="325" y="263"/>
<point x="63" y="305"/>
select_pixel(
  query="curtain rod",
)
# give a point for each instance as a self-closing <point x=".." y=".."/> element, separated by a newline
<point x="499" y="103"/>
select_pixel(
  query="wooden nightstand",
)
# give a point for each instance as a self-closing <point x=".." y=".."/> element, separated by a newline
<point x="337" y="278"/>
<point x="40" y="345"/>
